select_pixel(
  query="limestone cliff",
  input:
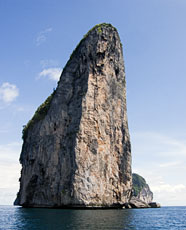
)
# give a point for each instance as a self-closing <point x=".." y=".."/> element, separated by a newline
<point x="141" y="189"/>
<point x="76" y="150"/>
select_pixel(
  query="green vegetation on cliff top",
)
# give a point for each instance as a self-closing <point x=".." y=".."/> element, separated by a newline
<point x="39" y="115"/>
<point x="138" y="182"/>
<point x="97" y="27"/>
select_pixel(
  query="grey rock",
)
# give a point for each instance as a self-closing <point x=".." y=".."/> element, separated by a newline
<point x="154" y="205"/>
<point x="137" y="203"/>
<point x="141" y="196"/>
<point x="141" y="189"/>
<point x="145" y="194"/>
<point x="76" y="150"/>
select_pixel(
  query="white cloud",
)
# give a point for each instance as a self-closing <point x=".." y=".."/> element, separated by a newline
<point x="169" y="194"/>
<point x="158" y="145"/>
<point x="45" y="63"/>
<point x="51" y="73"/>
<point x="42" y="36"/>
<point x="167" y="188"/>
<point x="170" y="164"/>
<point x="161" y="160"/>
<point x="8" y="92"/>
<point x="9" y="172"/>
<point x="7" y="195"/>
<point x="9" y="153"/>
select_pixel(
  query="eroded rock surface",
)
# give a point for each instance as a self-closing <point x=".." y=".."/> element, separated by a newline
<point x="141" y="196"/>
<point x="78" y="152"/>
<point x="145" y="194"/>
<point x="137" y="203"/>
<point x="154" y="205"/>
<point x="141" y="189"/>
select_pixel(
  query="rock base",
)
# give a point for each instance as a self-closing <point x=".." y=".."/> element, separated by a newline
<point x="137" y="203"/>
<point x="154" y="205"/>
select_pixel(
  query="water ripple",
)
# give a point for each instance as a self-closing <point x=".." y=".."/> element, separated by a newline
<point x="166" y="218"/>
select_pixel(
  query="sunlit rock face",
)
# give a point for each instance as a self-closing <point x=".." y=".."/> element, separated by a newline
<point x="76" y="152"/>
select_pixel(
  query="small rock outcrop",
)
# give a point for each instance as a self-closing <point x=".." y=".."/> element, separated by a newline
<point x="141" y="196"/>
<point x="154" y="205"/>
<point x="76" y="150"/>
<point x="137" y="203"/>
<point x="141" y="189"/>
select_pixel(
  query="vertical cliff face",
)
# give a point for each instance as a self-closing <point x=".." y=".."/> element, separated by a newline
<point x="76" y="149"/>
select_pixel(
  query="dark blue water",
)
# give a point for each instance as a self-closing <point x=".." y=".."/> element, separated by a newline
<point x="14" y="218"/>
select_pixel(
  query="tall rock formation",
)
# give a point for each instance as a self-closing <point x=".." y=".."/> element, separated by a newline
<point x="76" y="150"/>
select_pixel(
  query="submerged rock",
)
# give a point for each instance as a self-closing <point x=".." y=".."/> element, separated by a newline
<point x="76" y="150"/>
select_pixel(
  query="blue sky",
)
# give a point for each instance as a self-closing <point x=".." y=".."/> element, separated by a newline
<point x="37" y="38"/>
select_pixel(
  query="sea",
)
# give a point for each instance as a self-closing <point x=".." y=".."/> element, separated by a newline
<point x="14" y="218"/>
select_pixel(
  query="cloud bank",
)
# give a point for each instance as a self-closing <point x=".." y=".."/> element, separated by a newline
<point x="161" y="160"/>
<point x="51" y="73"/>
<point x="8" y="92"/>
<point x="42" y="36"/>
<point x="9" y="172"/>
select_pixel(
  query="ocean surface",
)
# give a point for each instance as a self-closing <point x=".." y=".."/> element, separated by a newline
<point x="14" y="218"/>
